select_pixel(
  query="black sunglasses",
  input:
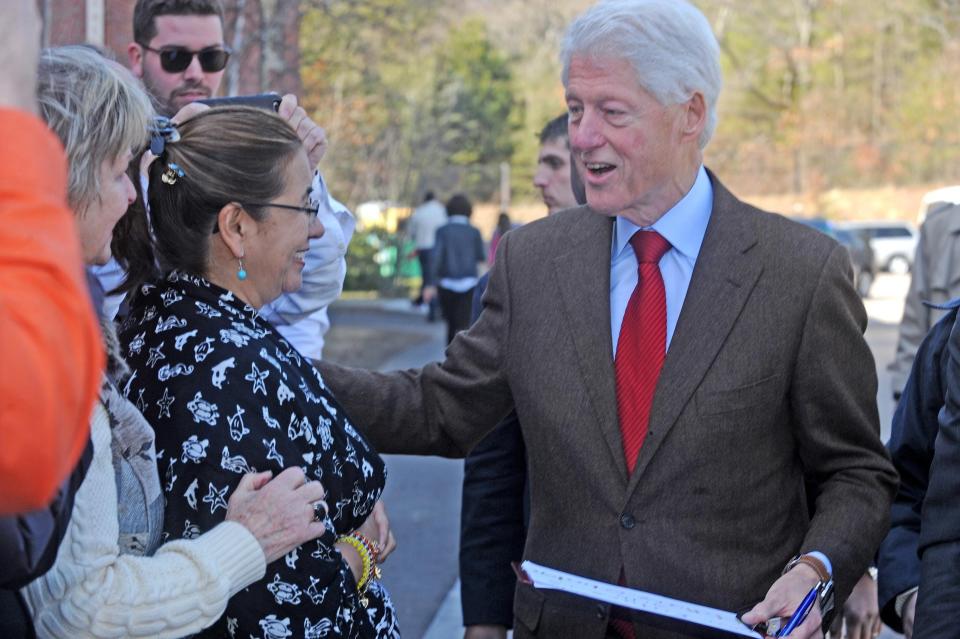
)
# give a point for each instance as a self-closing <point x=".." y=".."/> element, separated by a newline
<point x="177" y="59"/>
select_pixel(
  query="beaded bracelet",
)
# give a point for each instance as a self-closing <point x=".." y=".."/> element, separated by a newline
<point x="368" y="556"/>
<point x="374" y="549"/>
<point x="372" y="546"/>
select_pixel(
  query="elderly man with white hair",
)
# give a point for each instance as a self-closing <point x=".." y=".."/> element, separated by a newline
<point x="679" y="362"/>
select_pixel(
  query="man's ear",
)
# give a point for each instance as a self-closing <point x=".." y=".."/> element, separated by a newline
<point x="135" y="55"/>
<point x="694" y="117"/>
<point x="234" y="227"/>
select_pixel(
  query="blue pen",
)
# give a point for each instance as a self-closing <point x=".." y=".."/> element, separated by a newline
<point x="801" y="613"/>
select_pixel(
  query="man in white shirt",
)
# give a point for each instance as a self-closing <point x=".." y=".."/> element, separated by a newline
<point x="422" y="227"/>
<point x="191" y="33"/>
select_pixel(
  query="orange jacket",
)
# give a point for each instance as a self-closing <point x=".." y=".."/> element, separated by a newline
<point x="51" y="357"/>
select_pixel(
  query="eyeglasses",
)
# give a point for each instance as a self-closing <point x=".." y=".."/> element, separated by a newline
<point x="310" y="211"/>
<point x="177" y="59"/>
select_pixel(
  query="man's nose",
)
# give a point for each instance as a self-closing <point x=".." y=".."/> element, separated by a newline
<point x="131" y="190"/>
<point x="193" y="71"/>
<point x="315" y="229"/>
<point x="541" y="177"/>
<point x="587" y="133"/>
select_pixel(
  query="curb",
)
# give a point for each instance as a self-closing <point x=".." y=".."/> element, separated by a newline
<point x="399" y="306"/>
<point x="447" y="622"/>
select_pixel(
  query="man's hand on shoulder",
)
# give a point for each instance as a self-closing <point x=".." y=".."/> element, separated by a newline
<point x="784" y="598"/>
<point x="312" y="135"/>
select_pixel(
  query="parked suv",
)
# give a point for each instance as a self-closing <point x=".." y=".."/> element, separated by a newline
<point x="894" y="243"/>
<point x="857" y="244"/>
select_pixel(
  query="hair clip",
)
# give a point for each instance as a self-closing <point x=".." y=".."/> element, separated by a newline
<point x="172" y="173"/>
<point x="162" y="131"/>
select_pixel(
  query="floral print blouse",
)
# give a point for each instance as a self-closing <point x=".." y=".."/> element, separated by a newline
<point x="227" y="395"/>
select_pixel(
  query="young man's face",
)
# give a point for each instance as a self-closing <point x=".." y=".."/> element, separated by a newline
<point x="553" y="175"/>
<point x="172" y="90"/>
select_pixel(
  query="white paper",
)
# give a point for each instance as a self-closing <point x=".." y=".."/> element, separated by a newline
<point x="544" y="577"/>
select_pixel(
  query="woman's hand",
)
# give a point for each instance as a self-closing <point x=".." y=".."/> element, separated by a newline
<point x="278" y="512"/>
<point x="377" y="529"/>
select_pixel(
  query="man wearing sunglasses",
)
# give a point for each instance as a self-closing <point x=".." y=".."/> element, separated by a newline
<point x="178" y="53"/>
<point x="178" y="50"/>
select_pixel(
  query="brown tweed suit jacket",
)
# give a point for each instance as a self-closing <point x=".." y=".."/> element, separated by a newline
<point x="768" y="379"/>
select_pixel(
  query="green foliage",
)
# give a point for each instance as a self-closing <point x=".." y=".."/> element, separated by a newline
<point x="822" y="94"/>
<point x="380" y="261"/>
<point x="475" y="109"/>
<point x="818" y="94"/>
<point x="407" y="112"/>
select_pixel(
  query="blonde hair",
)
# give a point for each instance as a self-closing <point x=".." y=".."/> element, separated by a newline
<point x="97" y="109"/>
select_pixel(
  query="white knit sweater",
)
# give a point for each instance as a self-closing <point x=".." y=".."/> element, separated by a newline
<point x="94" y="591"/>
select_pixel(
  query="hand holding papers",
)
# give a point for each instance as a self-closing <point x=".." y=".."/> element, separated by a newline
<point x="800" y="615"/>
<point x="726" y="623"/>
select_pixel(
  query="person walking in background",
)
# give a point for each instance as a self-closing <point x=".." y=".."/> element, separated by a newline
<point x="495" y="504"/>
<point x="503" y="225"/>
<point x="670" y="414"/>
<point x="422" y="227"/>
<point x="934" y="278"/>
<point x="456" y="259"/>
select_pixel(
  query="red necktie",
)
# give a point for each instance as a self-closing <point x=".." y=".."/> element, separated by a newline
<point x="640" y="352"/>
<point x="642" y="344"/>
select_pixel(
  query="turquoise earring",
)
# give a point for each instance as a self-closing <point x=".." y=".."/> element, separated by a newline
<point x="241" y="272"/>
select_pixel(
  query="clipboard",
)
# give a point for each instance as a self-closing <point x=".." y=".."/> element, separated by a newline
<point x="666" y="612"/>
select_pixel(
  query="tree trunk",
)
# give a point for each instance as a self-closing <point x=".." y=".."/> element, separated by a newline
<point x="237" y="45"/>
<point x="280" y="46"/>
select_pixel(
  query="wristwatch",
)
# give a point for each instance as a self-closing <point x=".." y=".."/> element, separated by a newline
<point x="825" y="594"/>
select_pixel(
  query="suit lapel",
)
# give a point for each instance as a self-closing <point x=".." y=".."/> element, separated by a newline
<point x="725" y="273"/>
<point x="586" y="302"/>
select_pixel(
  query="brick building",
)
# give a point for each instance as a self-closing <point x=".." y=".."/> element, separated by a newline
<point x="264" y="36"/>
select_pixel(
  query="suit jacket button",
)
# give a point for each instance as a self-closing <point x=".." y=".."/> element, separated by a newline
<point x="627" y="521"/>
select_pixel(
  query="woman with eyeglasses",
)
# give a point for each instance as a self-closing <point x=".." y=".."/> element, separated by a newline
<point x="112" y="576"/>
<point x="230" y="217"/>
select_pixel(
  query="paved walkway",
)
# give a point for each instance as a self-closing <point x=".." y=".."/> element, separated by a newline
<point x="423" y="493"/>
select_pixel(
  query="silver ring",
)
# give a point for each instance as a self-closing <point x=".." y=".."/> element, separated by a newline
<point x="319" y="510"/>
